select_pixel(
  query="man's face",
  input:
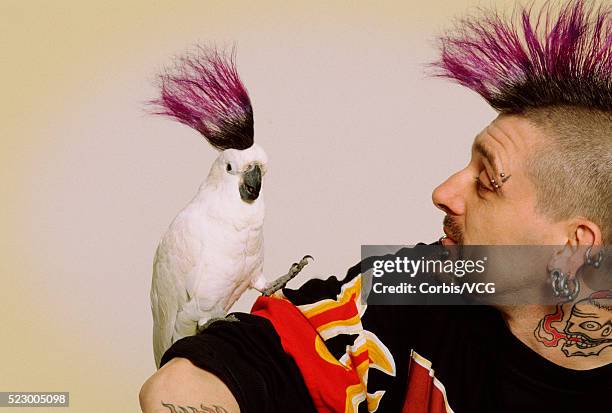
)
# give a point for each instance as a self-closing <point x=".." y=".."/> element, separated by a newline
<point x="479" y="214"/>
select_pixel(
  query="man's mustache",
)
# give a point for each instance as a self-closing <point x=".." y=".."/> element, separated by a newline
<point x="453" y="229"/>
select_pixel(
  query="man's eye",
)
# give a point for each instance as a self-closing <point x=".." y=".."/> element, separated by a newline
<point x="480" y="186"/>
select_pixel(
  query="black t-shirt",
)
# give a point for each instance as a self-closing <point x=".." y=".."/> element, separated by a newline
<point x="318" y="349"/>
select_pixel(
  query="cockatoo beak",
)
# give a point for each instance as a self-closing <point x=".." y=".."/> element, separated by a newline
<point x="250" y="184"/>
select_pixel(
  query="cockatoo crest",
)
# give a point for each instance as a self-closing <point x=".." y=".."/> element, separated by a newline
<point x="202" y="90"/>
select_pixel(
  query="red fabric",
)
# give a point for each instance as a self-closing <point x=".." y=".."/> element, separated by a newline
<point x="327" y="382"/>
<point x="330" y="384"/>
<point x="422" y="395"/>
<point x="346" y="311"/>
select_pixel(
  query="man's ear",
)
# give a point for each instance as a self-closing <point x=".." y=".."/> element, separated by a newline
<point x="584" y="233"/>
<point x="581" y="235"/>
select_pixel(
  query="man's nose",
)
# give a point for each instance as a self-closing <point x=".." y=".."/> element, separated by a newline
<point x="450" y="195"/>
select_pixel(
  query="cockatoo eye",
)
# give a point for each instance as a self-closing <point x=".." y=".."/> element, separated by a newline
<point x="228" y="168"/>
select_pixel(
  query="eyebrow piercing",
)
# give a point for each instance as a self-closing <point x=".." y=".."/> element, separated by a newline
<point x="495" y="185"/>
<point x="505" y="178"/>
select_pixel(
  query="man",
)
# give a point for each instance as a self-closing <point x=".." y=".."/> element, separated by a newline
<point x="540" y="174"/>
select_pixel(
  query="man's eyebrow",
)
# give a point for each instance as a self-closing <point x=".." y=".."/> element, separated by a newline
<point x="479" y="147"/>
<point x="484" y="152"/>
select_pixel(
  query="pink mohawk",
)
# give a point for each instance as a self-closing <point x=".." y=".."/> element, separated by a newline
<point x="562" y="60"/>
<point x="203" y="91"/>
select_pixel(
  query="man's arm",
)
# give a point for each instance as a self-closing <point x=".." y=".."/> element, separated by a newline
<point x="179" y="386"/>
<point x="242" y="364"/>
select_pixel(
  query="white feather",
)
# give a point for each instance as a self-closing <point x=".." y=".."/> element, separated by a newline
<point x="211" y="253"/>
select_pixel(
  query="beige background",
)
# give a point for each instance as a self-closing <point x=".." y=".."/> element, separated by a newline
<point x="356" y="134"/>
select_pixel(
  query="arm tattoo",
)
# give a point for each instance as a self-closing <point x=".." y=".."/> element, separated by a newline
<point x="587" y="331"/>
<point x="190" y="409"/>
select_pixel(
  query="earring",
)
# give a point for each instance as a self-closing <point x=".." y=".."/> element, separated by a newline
<point x="560" y="285"/>
<point x="589" y="260"/>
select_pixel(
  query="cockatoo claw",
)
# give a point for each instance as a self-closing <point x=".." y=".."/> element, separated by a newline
<point x="229" y="318"/>
<point x="280" y="282"/>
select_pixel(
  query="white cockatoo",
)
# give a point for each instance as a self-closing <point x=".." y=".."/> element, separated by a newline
<point x="213" y="250"/>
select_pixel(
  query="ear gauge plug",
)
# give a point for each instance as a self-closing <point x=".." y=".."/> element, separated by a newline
<point x="563" y="286"/>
